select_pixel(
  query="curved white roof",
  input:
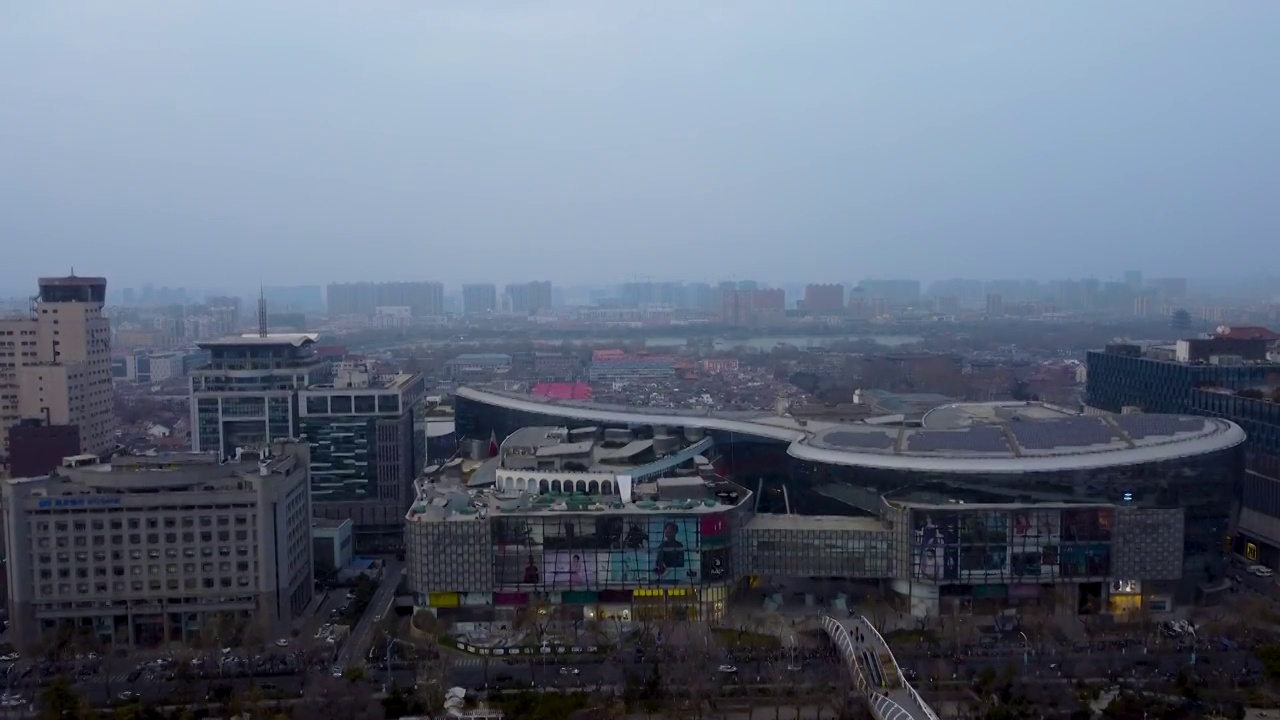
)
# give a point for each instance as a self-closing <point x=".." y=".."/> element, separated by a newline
<point x="1071" y="442"/>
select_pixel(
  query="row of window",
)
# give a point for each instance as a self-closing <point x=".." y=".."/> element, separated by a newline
<point x="154" y="554"/>
<point x="207" y="536"/>
<point x="100" y="588"/>
<point x="121" y="570"/>
<point x="152" y="523"/>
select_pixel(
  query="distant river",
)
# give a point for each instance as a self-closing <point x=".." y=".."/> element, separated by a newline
<point x="768" y="342"/>
<point x="762" y="343"/>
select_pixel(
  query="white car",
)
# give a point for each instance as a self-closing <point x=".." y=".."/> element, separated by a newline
<point x="727" y="669"/>
<point x="1261" y="571"/>
<point x="568" y="671"/>
<point x="282" y="642"/>
<point x="336" y="671"/>
<point x="9" y="657"/>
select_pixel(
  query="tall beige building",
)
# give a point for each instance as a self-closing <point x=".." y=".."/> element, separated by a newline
<point x="55" y="363"/>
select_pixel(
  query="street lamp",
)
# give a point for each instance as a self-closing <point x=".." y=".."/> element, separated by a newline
<point x="1026" y="650"/>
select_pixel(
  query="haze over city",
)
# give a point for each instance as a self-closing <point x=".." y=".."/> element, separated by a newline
<point x="295" y="143"/>
<point x="598" y="361"/>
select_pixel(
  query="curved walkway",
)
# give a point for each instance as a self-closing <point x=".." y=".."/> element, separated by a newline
<point x="875" y="671"/>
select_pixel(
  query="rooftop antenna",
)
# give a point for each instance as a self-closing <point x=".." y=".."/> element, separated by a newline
<point x="262" y="312"/>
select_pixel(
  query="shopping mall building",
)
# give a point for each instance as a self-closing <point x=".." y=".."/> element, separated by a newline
<point x="614" y="510"/>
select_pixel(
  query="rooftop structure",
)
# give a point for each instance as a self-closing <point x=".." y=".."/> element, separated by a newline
<point x="1041" y="439"/>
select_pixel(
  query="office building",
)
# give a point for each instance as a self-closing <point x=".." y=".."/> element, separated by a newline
<point x="152" y="550"/>
<point x="982" y="507"/>
<point x="424" y="299"/>
<point x="55" y="363"/>
<point x="247" y="394"/>
<point x="364" y="457"/>
<point x="479" y="299"/>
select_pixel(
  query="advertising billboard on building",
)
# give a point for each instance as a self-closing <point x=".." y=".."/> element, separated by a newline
<point x="590" y="552"/>
<point x="934" y="547"/>
<point x="570" y="569"/>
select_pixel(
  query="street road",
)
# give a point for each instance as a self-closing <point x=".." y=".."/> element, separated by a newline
<point x="358" y="643"/>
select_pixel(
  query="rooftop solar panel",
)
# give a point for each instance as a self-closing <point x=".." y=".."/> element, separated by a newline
<point x="978" y="439"/>
<point x="866" y="440"/>
<point x="1140" y="427"/>
<point x="1064" y="433"/>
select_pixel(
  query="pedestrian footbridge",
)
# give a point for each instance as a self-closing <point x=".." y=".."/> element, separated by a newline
<point x="874" y="670"/>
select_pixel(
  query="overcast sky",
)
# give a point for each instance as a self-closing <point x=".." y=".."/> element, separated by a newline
<point x="224" y="143"/>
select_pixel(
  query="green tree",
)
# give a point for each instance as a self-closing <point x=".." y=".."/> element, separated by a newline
<point x="1180" y="320"/>
<point x="60" y="701"/>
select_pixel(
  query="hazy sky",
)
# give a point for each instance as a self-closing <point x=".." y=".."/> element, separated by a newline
<point x="223" y="143"/>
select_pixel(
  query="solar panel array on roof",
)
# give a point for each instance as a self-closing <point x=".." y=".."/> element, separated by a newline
<point x="1067" y="432"/>
<point x="868" y="440"/>
<point x="977" y="439"/>
<point x="1144" y="426"/>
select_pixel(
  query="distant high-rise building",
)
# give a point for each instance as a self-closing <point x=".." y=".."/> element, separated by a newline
<point x="1133" y="278"/>
<point x="424" y="299"/>
<point x="55" y="364"/>
<point x="995" y="305"/>
<point x="479" y="299"/>
<point x="750" y="307"/>
<point x="529" y="298"/>
<point x="893" y="292"/>
<point x="824" y="299"/>
<point x="297" y="299"/>
<point x="1170" y="288"/>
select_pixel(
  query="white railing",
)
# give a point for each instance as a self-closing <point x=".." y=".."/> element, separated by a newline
<point x="882" y="705"/>
<point x="928" y="711"/>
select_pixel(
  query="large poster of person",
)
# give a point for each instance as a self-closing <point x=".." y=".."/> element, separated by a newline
<point x="570" y="569"/>
<point x="673" y="542"/>
<point x="513" y="569"/>
<point x="934" y="550"/>
<point x="1032" y="528"/>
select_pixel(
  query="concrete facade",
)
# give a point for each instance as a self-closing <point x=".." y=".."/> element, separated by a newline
<point x="150" y="550"/>
<point x="55" y="364"/>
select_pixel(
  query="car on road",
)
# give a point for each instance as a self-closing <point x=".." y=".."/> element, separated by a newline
<point x="336" y="671"/>
<point x="128" y="695"/>
<point x="282" y="643"/>
<point x="728" y="669"/>
<point x="568" y="671"/>
<point x="10" y="656"/>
